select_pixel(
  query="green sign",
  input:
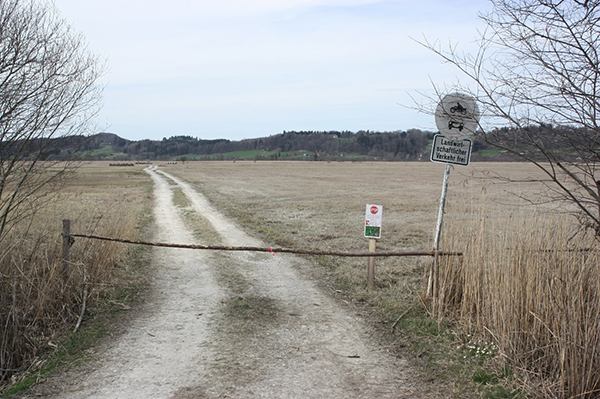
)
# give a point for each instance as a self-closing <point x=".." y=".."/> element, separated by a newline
<point x="372" y="231"/>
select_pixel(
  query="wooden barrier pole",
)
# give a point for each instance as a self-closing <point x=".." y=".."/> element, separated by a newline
<point x="371" y="264"/>
<point x="66" y="249"/>
<point x="273" y="249"/>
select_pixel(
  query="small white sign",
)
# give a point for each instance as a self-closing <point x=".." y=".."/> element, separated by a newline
<point x="373" y="215"/>
<point x="445" y="150"/>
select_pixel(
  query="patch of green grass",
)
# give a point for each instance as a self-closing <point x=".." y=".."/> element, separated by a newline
<point x="489" y="152"/>
<point x="351" y="155"/>
<point x="501" y="392"/>
<point x="497" y="384"/>
<point x="108" y="150"/>
<point x="107" y="153"/>
<point x="430" y="327"/>
<point x="70" y="349"/>
<point x="484" y="377"/>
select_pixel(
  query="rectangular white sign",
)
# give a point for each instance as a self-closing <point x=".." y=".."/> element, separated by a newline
<point x="373" y="215"/>
<point x="445" y="150"/>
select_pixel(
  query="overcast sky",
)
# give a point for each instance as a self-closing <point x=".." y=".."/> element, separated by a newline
<point x="240" y="69"/>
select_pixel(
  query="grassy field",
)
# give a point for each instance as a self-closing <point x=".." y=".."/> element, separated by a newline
<point x="320" y="205"/>
<point x="500" y="328"/>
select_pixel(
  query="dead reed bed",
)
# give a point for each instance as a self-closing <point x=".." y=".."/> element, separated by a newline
<point x="529" y="287"/>
<point x="38" y="303"/>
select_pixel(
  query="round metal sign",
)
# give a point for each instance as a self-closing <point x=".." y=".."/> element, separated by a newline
<point x="457" y="115"/>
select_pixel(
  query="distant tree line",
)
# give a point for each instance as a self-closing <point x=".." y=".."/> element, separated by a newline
<point x="397" y="145"/>
<point x="410" y="145"/>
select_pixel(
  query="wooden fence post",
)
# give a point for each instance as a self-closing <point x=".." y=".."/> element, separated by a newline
<point x="371" y="265"/>
<point x="66" y="249"/>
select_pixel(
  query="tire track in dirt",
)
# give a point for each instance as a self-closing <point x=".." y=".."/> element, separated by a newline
<point x="305" y="345"/>
<point x="168" y="345"/>
<point x="236" y="325"/>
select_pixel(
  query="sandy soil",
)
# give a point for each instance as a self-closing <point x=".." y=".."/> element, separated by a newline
<point x="235" y="325"/>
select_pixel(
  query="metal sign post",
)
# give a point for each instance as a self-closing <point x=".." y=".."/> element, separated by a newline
<point x="456" y="117"/>
<point x="438" y="231"/>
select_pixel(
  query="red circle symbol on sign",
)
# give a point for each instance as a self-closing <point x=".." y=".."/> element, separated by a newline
<point x="374" y="210"/>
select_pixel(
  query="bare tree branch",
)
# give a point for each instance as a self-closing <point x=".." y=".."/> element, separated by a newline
<point x="536" y="76"/>
<point x="47" y="90"/>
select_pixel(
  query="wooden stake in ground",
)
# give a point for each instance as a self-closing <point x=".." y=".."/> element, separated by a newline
<point x="371" y="264"/>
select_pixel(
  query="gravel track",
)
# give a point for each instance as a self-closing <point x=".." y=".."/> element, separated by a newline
<point x="235" y="325"/>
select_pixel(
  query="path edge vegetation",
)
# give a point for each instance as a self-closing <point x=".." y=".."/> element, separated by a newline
<point x="124" y="289"/>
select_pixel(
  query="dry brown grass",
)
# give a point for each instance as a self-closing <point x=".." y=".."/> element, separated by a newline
<point x="320" y="205"/>
<point x="515" y="288"/>
<point x="528" y="283"/>
<point x="36" y="303"/>
<point x="539" y="309"/>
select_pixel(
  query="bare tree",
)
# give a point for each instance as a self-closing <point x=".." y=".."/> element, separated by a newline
<point x="48" y="93"/>
<point x="47" y="90"/>
<point x="536" y="77"/>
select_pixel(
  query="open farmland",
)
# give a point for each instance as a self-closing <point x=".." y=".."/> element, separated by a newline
<point x="322" y="205"/>
<point x="219" y="323"/>
<point x="318" y="205"/>
<point x="501" y="215"/>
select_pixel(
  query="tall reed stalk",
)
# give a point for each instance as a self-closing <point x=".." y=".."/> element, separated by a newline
<point x="532" y="286"/>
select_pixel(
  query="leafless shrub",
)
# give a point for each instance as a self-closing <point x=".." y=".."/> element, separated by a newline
<point x="36" y="304"/>
<point x="47" y="90"/>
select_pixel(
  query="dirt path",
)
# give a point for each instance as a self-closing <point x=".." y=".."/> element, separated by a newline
<point x="236" y="325"/>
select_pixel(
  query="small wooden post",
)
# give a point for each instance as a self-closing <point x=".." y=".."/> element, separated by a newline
<point x="66" y="249"/>
<point x="371" y="265"/>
